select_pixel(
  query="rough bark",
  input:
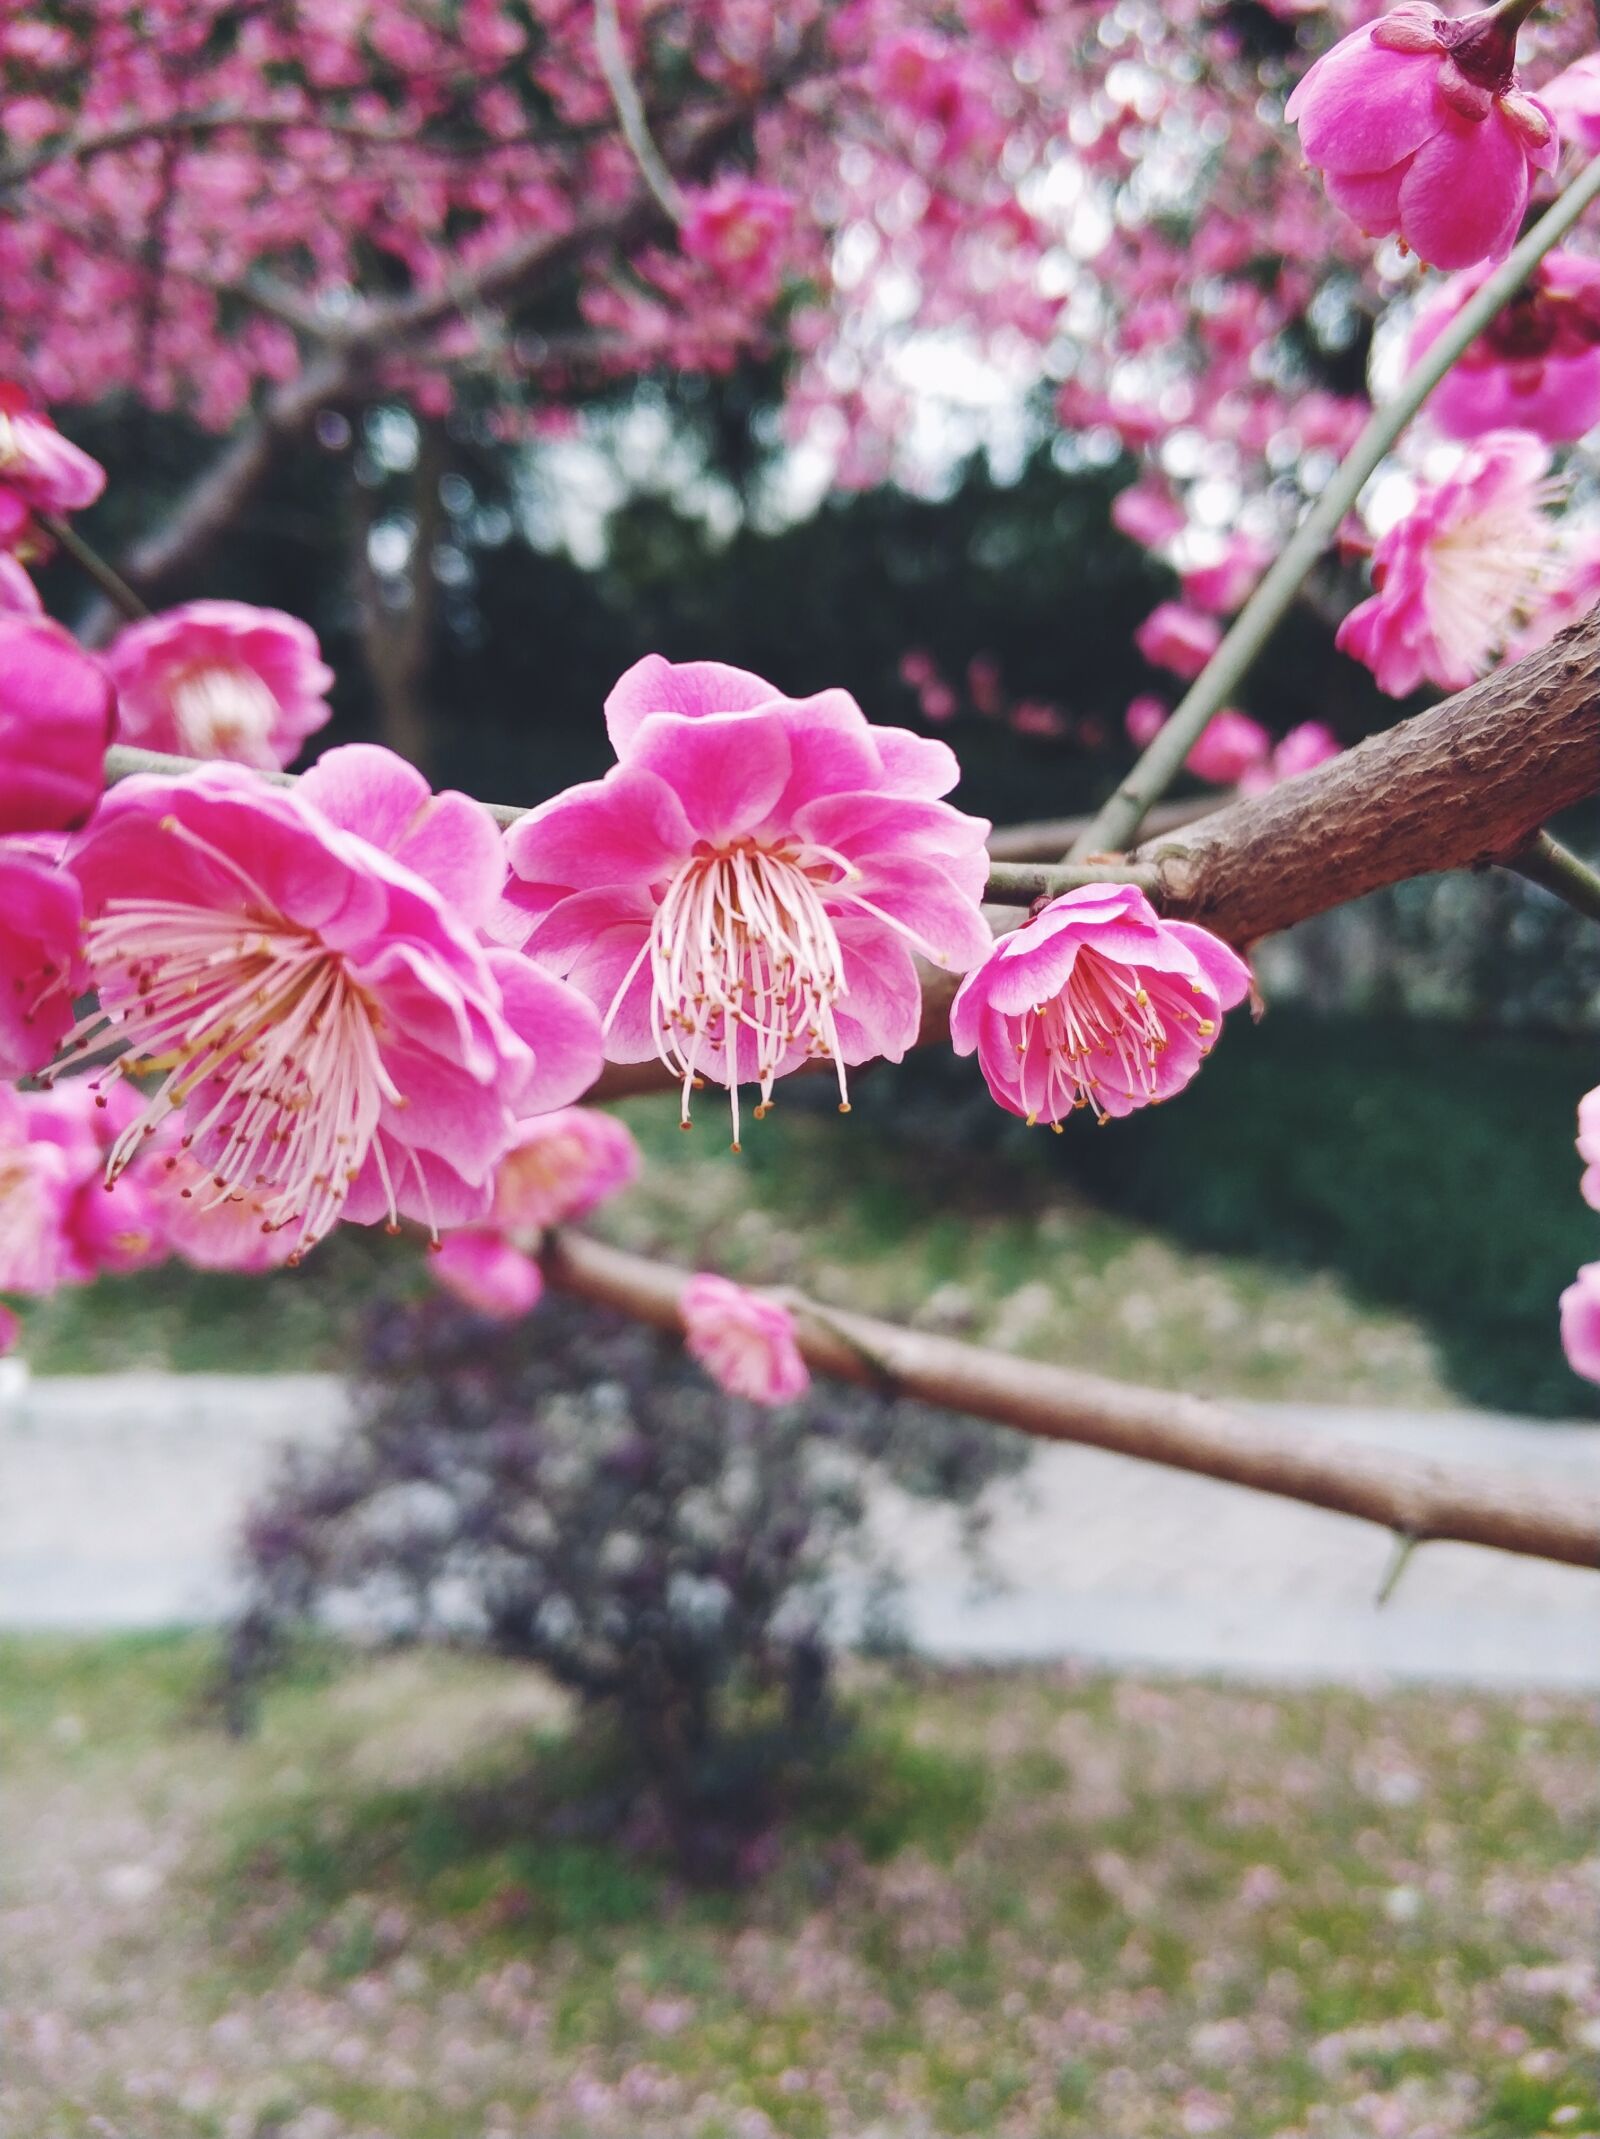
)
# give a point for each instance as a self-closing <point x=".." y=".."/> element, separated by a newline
<point x="1420" y="1500"/>
<point x="1465" y="784"/>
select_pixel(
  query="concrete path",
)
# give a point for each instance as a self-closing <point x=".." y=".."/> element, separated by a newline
<point x="120" y="1497"/>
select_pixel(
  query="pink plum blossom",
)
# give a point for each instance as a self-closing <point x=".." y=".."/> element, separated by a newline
<point x="1477" y="556"/>
<point x="1182" y="640"/>
<point x="1145" y="718"/>
<point x="1535" y="368"/>
<point x="1580" y="1322"/>
<point x="220" y="680"/>
<point x="1096" y="1002"/>
<point x="1589" y="1146"/>
<point x="745" y="888"/>
<point x="41" y="917"/>
<point x="1147" y="514"/>
<point x="1304" y="748"/>
<point x="10" y="1331"/>
<point x="737" y="226"/>
<point x="1225" y="573"/>
<point x="1422" y="130"/>
<point x="1229" y="748"/>
<point x="745" y="1341"/>
<point x="488" y="1273"/>
<point x="561" y="1166"/>
<point x="38" y="467"/>
<point x="57" y="715"/>
<point x="300" y="970"/>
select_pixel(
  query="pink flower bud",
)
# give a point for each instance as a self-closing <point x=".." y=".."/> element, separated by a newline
<point x="1422" y="131"/>
<point x="1230" y="746"/>
<point x="1179" y="639"/>
<point x="745" y="1342"/>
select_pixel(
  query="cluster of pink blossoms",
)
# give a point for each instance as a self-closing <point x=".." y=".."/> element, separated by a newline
<point x="353" y="1000"/>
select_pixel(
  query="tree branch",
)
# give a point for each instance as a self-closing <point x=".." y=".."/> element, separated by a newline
<point x="1467" y="783"/>
<point x="375" y="332"/>
<point x="1124" y="811"/>
<point x="1425" y="1501"/>
<point x="1547" y="863"/>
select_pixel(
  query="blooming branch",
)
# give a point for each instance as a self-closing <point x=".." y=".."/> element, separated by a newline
<point x="1424" y="1501"/>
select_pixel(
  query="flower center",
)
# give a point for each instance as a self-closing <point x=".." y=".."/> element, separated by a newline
<point x="223" y="712"/>
<point x="745" y="966"/>
<point x="266" y="1025"/>
<point x="1494" y="568"/>
<point x="1102" y="1036"/>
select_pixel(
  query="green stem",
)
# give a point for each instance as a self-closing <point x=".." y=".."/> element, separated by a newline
<point x="1116" y="824"/>
<point x="1545" y="861"/>
<point x="89" y="561"/>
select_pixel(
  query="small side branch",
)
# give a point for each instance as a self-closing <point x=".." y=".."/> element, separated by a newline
<point x="1545" y="861"/>
<point x="613" y="56"/>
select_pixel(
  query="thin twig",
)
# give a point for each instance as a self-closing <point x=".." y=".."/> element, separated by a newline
<point x="90" y="562"/>
<point x="1545" y="861"/>
<point x="612" y="54"/>
<point x="1114" y="827"/>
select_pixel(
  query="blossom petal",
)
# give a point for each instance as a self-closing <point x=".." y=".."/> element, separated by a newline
<point x="561" y="1027"/>
<point x="629" y="828"/>
<point x="727" y="769"/>
<point x="691" y="688"/>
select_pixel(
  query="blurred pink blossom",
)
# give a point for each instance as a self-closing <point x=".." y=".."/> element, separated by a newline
<point x="562" y="1165"/>
<point x="1589" y="1146"/>
<point x="1580" y="1322"/>
<point x="745" y="1342"/>
<point x="1229" y="749"/>
<point x="1535" y="368"/>
<point x="221" y="680"/>
<point x="1182" y="640"/>
<point x="487" y="1273"/>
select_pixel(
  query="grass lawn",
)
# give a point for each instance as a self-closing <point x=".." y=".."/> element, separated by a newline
<point x="1026" y="1904"/>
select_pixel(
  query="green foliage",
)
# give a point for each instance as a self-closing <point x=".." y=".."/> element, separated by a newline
<point x="1429" y="1166"/>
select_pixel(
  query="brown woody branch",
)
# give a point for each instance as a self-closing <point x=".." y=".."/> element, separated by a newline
<point x="1422" y="1501"/>
<point x="1466" y="784"/>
